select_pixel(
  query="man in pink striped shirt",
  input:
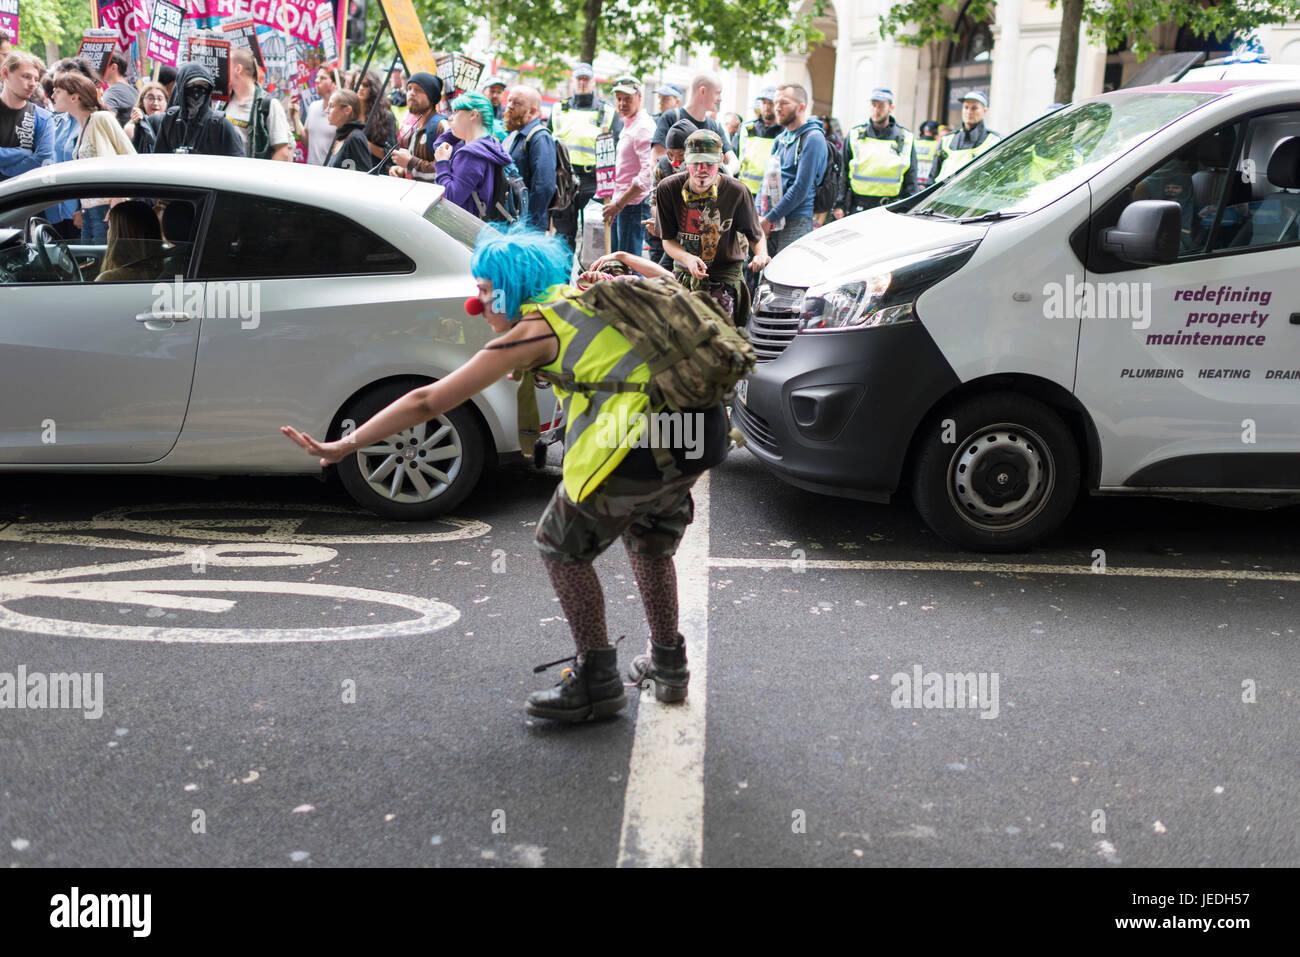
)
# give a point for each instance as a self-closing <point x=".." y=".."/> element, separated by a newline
<point x="633" y="170"/>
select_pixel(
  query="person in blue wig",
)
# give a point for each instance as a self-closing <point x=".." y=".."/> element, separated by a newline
<point x="613" y="485"/>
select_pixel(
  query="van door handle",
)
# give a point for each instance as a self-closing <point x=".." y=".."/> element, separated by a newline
<point x="163" y="317"/>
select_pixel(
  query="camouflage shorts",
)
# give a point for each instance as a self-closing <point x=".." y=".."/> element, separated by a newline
<point x="652" y="515"/>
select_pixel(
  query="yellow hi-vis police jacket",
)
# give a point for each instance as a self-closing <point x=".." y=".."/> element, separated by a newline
<point x="879" y="165"/>
<point x="754" y="151"/>
<point x="577" y="129"/>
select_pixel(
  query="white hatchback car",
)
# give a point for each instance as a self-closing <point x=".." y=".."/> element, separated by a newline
<point x="268" y="294"/>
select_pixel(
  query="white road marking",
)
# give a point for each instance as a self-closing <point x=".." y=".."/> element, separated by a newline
<point x="253" y="542"/>
<point x="988" y="568"/>
<point x="432" y="615"/>
<point x="663" y="805"/>
<point x="252" y="529"/>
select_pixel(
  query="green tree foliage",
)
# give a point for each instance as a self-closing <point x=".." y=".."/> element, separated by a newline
<point x="448" y="26"/>
<point x="551" y="34"/>
<point x="925" y="21"/>
<point x="60" y="22"/>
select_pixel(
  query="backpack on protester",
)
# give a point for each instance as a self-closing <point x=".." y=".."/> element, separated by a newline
<point x="831" y="184"/>
<point x="566" y="184"/>
<point x="694" y="353"/>
<point x="508" y="192"/>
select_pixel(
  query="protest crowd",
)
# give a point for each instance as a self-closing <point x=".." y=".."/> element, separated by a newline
<point x="663" y="173"/>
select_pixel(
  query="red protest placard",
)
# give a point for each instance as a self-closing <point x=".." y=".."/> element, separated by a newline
<point x="97" y="46"/>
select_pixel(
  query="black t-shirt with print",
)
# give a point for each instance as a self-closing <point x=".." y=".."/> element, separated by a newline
<point x="9" y="124"/>
<point x="710" y="224"/>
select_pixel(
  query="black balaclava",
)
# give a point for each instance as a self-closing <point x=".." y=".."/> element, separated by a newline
<point x="197" y="93"/>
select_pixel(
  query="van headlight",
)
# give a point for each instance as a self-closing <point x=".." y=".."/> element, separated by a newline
<point x="886" y="296"/>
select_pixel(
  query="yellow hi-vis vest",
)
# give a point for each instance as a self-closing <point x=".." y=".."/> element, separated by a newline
<point x="877" y="166"/>
<point x="926" y="151"/>
<point x="956" y="159"/>
<point x="578" y="129"/>
<point x="599" y="427"/>
<point x="754" y="151"/>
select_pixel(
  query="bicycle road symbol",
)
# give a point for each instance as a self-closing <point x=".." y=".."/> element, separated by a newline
<point x="221" y="542"/>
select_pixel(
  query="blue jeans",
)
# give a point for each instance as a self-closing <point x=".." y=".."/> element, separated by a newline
<point x="796" y="227"/>
<point x="629" y="234"/>
<point x="94" y="228"/>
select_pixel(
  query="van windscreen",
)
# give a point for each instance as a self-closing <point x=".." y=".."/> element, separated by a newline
<point x="1045" y="160"/>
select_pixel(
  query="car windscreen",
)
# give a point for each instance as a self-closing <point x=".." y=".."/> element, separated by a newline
<point x="454" y="221"/>
<point x="1045" y="160"/>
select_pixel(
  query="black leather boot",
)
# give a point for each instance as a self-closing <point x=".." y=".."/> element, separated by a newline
<point x="666" y="667"/>
<point x="593" y="689"/>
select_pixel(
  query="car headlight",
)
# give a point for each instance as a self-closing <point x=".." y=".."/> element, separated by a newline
<point x="884" y="297"/>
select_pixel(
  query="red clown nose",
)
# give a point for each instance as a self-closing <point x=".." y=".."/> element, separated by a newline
<point x="474" y="306"/>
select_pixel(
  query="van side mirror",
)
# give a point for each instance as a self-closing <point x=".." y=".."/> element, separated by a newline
<point x="1146" y="234"/>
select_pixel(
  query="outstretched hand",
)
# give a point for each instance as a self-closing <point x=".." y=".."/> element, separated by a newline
<point x="329" y="452"/>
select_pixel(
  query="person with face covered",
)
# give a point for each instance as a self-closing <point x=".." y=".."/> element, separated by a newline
<point x="189" y="124"/>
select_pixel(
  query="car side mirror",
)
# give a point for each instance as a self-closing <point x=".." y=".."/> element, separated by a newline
<point x="1147" y="233"/>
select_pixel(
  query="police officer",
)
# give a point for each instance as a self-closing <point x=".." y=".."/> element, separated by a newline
<point x="879" y="160"/>
<point x="973" y="139"/>
<point x="576" y="122"/>
<point x="927" y="147"/>
<point x="756" y="139"/>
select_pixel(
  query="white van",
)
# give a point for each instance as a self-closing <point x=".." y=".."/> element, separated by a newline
<point x="1108" y="299"/>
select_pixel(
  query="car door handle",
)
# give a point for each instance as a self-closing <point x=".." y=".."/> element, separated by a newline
<point x="163" y="317"/>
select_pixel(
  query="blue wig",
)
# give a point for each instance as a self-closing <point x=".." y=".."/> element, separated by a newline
<point x="521" y="263"/>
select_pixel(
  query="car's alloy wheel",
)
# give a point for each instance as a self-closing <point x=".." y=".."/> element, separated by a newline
<point x="419" y="473"/>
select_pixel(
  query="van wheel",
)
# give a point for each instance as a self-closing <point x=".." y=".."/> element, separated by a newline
<point x="417" y="474"/>
<point x="1011" y="477"/>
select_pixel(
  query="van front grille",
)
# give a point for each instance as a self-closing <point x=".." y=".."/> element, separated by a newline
<point x="775" y="320"/>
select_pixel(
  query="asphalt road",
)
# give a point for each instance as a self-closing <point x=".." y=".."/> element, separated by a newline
<point x="316" y="686"/>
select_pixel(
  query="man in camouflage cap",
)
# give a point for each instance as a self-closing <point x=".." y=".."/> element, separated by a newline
<point x="708" y="223"/>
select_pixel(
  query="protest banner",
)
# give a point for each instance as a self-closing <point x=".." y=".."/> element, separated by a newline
<point x="97" y="46"/>
<point x="164" y="44"/>
<point x="409" y="37"/>
<point x="215" y="55"/>
<point x="126" y="18"/>
<point x="9" y="21"/>
<point x="604" y="165"/>
<point x="243" y="33"/>
<point x="459" y="73"/>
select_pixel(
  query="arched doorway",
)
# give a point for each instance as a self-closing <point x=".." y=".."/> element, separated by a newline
<point x="821" y="62"/>
<point x="814" y="66"/>
<point x="970" y="65"/>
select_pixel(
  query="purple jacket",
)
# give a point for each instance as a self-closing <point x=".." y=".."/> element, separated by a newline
<point x="471" y="169"/>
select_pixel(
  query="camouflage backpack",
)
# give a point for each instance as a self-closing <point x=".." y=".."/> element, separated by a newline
<point x="694" y="353"/>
